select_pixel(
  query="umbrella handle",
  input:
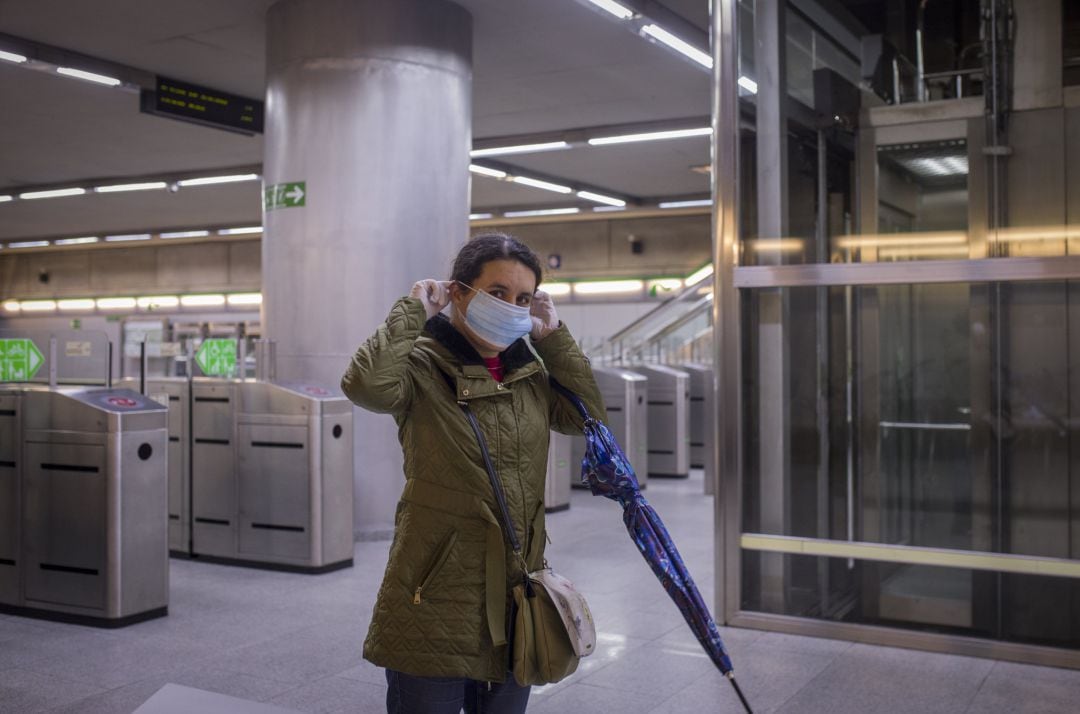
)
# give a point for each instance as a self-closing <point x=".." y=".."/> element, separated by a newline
<point x="574" y="399"/>
<point x="746" y="704"/>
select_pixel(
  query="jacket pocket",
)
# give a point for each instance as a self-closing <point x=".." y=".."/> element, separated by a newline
<point x="435" y="565"/>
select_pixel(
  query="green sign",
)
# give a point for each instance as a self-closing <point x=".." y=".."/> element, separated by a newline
<point x="284" y="195"/>
<point x="20" y="359"/>
<point x="217" y="358"/>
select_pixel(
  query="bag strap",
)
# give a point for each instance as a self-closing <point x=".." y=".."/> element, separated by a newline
<point x="572" y="398"/>
<point x="507" y="522"/>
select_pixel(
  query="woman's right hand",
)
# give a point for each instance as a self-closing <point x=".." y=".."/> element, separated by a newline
<point x="435" y="294"/>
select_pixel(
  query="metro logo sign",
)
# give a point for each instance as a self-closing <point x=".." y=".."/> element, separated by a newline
<point x="20" y="359"/>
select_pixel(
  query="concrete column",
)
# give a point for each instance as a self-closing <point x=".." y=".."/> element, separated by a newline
<point x="369" y="103"/>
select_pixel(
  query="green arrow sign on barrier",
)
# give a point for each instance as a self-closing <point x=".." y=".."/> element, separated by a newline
<point x="20" y="359"/>
<point x="285" y="195"/>
<point x="217" y="357"/>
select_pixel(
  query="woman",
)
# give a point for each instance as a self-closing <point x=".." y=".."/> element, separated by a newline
<point x="441" y="621"/>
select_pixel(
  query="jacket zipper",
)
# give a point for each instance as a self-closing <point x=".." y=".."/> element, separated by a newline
<point x="436" y="566"/>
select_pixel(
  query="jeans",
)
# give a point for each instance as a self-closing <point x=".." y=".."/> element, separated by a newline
<point x="407" y="694"/>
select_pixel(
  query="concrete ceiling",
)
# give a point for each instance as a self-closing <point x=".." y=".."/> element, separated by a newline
<point x="539" y="66"/>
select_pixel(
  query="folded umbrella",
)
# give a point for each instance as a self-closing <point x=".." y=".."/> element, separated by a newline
<point x="607" y="472"/>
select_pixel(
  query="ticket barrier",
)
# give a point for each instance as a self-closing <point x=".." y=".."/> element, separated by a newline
<point x="669" y="420"/>
<point x="560" y="470"/>
<point x="175" y="392"/>
<point x="84" y="534"/>
<point x="702" y="420"/>
<point x="624" y="393"/>
<point x="294" y="476"/>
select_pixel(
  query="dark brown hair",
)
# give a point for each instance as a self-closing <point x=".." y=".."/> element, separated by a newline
<point x="486" y="247"/>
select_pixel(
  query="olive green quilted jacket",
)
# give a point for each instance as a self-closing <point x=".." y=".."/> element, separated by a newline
<point x="444" y="606"/>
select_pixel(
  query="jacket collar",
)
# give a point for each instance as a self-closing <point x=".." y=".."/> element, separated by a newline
<point x="443" y="331"/>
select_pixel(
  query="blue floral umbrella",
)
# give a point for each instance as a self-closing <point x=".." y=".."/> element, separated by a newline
<point x="607" y="472"/>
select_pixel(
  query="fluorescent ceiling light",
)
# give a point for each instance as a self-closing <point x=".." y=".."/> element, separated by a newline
<point x="76" y="241"/>
<point x="209" y="180"/>
<point x="78" y="304"/>
<point x="748" y="84"/>
<point x="54" y="193"/>
<point x="775" y="245"/>
<point x="678" y="44"/>
<point x="686" y="204"/>
<point x="699" y="275"/>
<point x="6" y="198"/>
<point x="619" y="11"/>
<point x="245" y="299"/>
<point x="158" y="301"/>
<point x="116" y="303"/>
<point x="537" y="183"/>
<point x="37" y="305"/>
<point x="127" y="238"/>
<point x="556" y="289"/>
<point x="542" y="212"/>
<point x="11" y="305"/>
<point x="651" y="136"/>
<point x="89" y="76"/>
<point x="601" y="198"/>
<point x="240" y="231"/>
<point x="485" y="171"/>
<point x="605" y="209"/>
<point x="601" y="287"/>
<point x="185" y="234"/>
<point x="29" y="244"/>
<point x="903" y="240"/>
<point x="202" y="300"/>
<point x="480" y="216"/>
<point x="520" y="149"/>
<point x="12" y="57"/>
<point x="117" y="188"/>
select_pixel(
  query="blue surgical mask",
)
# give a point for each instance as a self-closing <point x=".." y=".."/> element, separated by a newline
<point x="496" y="321"/>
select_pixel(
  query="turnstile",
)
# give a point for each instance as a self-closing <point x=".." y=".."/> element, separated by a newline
<point x="91" y="484"/>
<point x="213" y="472"/>
<point x="177" y="394"/>
<point x="669" y="420"/>
<point x="624" y="393"/>
<point x="11" y="409"/>
<point x="559" y="472"/>
<point x="702" y="420"/>
<point x="294" y="475"/>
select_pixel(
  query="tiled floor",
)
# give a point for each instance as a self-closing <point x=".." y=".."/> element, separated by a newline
<point x="294" y="641"/>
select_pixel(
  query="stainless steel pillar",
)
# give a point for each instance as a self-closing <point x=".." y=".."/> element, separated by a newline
<point x="369" y="103"/>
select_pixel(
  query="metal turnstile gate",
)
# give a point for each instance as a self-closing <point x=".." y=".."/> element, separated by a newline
<point x="702" y="420"/>
<point x="560" y="470"/>
<point x="624" y="393"/>
<point x="669" y="420"/>
<point x="93" y="530"/>
<point x="294" y="475"/>
<point x="176" y="393"/>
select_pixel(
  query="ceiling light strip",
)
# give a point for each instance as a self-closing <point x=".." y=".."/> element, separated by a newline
<point x="89" y="76"/>
<point x="651" y="136"/>
<point x="520" y="149"/>
<point x="678" y="44"/>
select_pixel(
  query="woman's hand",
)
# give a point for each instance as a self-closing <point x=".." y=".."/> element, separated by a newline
<point x="435" y="294"/>
<point x="545" y="320"/>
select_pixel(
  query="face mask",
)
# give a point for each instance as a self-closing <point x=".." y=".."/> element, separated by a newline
<point x="496" y="321"/>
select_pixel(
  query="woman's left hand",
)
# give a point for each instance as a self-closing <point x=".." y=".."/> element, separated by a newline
<point x="545" y="320"/>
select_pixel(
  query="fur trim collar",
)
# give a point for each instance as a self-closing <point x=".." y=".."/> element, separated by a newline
<point x="443" y="331"/>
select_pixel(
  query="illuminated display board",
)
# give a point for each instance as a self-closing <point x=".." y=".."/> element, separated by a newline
<point x="202" y="105"/>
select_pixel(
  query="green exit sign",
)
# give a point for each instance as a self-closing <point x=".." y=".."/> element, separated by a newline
<point x="217" y="357"/>
<point x="285" y="195"/>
